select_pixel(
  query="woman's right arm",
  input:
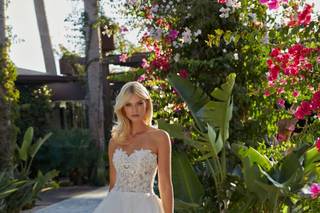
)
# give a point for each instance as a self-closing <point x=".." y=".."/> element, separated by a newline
<point x="112" y="171"/>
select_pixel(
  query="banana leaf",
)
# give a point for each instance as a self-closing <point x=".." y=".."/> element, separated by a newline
<point x="194" y="97"/>
<point x="27" y="139"/>
<point x="187" y="186"/>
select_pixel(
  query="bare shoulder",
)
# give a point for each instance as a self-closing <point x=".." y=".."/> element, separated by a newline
<point x="161" y="137"/>
<point x="112" y="145"/>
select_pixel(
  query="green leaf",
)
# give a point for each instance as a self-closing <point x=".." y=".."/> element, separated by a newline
<point x="174" y="130"/>
<point x="35" y="147"/>
<point x="219" y="113"/>
<point x="194" y="97"/>
<point x="311" y="156"/>
<point x="187" y="186"/>
<point x="216" y="142"/>
<point x="253" y="156"/>
<point x="27" y="139"/>
<point x="181" y="205"/>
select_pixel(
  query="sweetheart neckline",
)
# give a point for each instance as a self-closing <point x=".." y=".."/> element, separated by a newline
<point x="135" y="151"/>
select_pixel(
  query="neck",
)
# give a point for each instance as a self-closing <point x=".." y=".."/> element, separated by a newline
<point x="138" y="128"/>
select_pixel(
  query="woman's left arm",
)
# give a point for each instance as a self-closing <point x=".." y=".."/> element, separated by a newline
<point x="164" y="173"/>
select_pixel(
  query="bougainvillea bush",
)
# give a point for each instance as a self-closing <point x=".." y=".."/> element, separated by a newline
<point x="272" y="46"/>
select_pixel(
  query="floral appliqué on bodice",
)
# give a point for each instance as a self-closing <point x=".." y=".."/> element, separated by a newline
<point x="135" y="172"/>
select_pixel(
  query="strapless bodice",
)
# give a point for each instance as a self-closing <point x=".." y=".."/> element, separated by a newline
<point x="135" y="172"/>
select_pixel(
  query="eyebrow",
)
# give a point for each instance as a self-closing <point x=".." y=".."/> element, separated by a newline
<point x="141" y="100"/>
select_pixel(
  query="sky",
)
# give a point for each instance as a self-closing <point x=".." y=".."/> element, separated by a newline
<point x="26" y="49"/>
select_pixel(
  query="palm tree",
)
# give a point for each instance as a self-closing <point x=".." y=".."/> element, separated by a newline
<point x="45" y="37"/>
<point x="95" y="76"/>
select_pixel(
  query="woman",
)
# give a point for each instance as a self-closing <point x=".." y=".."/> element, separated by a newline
<point x="136" y="151"/>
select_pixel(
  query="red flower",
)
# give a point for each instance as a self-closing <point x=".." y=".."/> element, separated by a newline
<point x="318" y="144"/>
<point x="222" y="1"/>
<point x="303" y="110"/>
<point x="275" y="52"/>
<point x="267" y="93"/>
<point x="304" y="17"/>
<point x="315" y="101"/>
<point x="183" y="73"/>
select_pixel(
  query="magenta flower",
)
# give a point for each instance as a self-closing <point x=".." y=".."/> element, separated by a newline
<point x="315" y="190"/>
<point x="295" y="93"/>
<point x="274" y="4"/>
<point x="183" y="73"/>
<point x="318" y="144"/>
<point x="173" y="34"/>
<point x="267" y="93"/>
<point x="142" y="78"/>
<point x="315" y="101"/>
<point x="281" y="102"/>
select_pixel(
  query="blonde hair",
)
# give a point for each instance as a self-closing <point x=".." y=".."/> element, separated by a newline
<point x="122" y="127"/>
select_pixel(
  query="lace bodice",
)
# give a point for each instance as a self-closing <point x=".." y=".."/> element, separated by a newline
<point x="134" y="172"/>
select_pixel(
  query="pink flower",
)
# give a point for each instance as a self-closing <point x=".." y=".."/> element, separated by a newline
<point x="145" y="64"/>
<point x="281" y="137"/>
<point x="267" y="93"/>
<point x="142" y="78"/>
<point x="295" y="93"/>
<point x="274" y="4"/>
<point x="123" y="57"/>
<point x="281" y="102"/>
<point x="315" y="190"/>
<point x="318" y="144"/>
<point x="183" y="73"/>
<point x="280" y="90"/>
<point x="222" y="1"/>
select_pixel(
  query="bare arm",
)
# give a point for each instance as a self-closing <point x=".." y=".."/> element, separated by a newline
<point x="164" y="165"/>
<point x="112" y="171"/>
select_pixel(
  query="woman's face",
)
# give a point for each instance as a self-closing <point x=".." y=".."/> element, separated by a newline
<point x="135" y="109"/>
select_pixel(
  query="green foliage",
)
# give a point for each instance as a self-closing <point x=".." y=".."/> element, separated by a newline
<point x="187" y="187"/>
<point x="8" y="103"/>
<point x="271" y="185"/>
<point x="211" y="145"/>
<point x="22" y="190"/>
<point x="70" y="152"/>
<point x="35" y="106"/>
<point x="27" y="151"/>
<point x="8" y="75"/>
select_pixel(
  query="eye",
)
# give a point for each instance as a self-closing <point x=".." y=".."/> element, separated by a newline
<point x="140" y="102"/>
<point x="127" y="104"/>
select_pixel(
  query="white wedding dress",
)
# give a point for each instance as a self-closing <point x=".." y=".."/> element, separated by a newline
<point x="133" y="189"/>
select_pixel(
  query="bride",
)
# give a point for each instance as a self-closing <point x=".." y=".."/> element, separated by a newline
<point x="136" y="151"/>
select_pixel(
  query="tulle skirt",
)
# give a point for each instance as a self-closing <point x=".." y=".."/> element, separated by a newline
<point x="130" y="202"/>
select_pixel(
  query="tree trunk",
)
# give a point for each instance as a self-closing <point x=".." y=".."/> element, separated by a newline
<point x="45" y="37"/>
<point x="95" y="75"/>
<point x="6" y="139"/>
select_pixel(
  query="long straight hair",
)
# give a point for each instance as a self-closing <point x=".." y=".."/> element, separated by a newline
<point x="122" y="128"/>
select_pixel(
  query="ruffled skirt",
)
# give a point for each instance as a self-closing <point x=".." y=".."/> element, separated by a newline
<point x="130" y="202"/>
